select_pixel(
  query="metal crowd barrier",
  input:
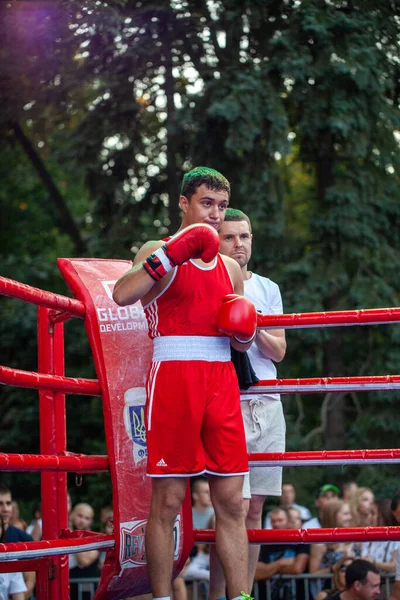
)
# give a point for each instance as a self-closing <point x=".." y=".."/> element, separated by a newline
<point x="88" y="585"/>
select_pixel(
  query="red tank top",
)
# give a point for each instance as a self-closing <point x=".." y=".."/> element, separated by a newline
<point x="190" y="302"/>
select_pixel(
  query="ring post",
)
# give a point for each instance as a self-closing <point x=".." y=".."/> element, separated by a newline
<point x="53" y="441"/>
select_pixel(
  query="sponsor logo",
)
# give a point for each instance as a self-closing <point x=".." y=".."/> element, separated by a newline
<point x="109" y="287"/>
<point x="162" y="463"/>
<point x="132" y="536"/>
<point x="135" y="399"/>
<point x="132" y="553"/>
<point x="119" y="318"/>
<point x="177" y="538"/>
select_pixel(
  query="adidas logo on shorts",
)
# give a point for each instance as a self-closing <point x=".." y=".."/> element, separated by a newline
<point x="161" y="463"/>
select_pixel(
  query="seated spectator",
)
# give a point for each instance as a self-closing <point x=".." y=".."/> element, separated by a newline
<point x="106" y="527"/>
<point x="12" y="585"/>
<point x="361" y="506"/>
<point x="295" y="521"/>
<point x="35" y="527"/>
<point x="382" y="553"/>
<point x="106" y="515"/>
<point x="15" y="518"/>
<point x="287" y="500"/>
<point x="281" y="558"/>
<point x="202" y="509"/>
<point x="374" y="514"/>
<point x="338" y="579"/>
<point x="199" y="565"/>
<point x="363" y="582"/>
<point x="325" y="557"/>
<point x="83" y="564"/>
<point x="395" y="507"/>
<point x="14" y="534"/>
<point x="325" y="493"/>
<point x="348" y="490"/>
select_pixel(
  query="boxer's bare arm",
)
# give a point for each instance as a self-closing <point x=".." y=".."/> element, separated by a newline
<point x="235" y="273"/>
<point x="155" y="262"/>
<point x="136" y="284"/>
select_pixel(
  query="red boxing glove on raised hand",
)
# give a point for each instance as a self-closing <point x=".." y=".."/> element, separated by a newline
<point x="196" y="241"/>
<point x="237" y="316"/>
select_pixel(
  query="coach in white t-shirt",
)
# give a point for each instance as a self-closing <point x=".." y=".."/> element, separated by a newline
<point x="262" y="415"/>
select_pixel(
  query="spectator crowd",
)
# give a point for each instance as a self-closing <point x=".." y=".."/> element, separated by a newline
<point x="349" y="506"/>
<point x="334" y="507"/>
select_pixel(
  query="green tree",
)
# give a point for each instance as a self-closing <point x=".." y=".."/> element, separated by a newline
<point x="297" y="103"/>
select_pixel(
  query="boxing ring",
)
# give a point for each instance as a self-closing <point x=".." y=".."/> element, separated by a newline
<point x="122" y="352"/>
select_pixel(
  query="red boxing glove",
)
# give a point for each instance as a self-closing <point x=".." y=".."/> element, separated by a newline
<point x="237" y="316"/>
<point x="196" y="241"/>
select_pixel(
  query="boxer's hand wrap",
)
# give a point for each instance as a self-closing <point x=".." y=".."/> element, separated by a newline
<point x="196" y="241"/>
<point x="237" y="316"/>
<point x="158" y="264"/>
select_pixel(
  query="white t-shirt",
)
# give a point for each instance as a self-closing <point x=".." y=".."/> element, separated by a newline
<point x="30" y="527"/>
<point x="11" y="583"/>
<point x="381" y="551"/>
<point x="198" y="568"/>
<point x="201" y="519"/>
<point x="266" y="296"/>
<point x="397" y="578"/>
<point x="313" y="523"/>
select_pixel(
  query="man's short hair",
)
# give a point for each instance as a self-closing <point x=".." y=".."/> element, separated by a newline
<point x="198" y="176"/>
<point x="279" y="509"/>
<point x="195" y="484"/>
<point x="234" y="214"/>
<point x="358" y="571"/>
<point x="4" y="490"/>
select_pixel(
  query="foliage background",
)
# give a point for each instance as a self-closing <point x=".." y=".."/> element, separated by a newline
<point x="103" y="107"/>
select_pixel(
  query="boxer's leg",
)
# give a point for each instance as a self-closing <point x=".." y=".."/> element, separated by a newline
<point x="217" y="586"/>
<point x="226" y="462"/>
<point x="230" y="531"/>
<point x="167" y="496"/>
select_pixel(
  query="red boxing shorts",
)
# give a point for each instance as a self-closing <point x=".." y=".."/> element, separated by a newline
<point x="193" y="419"/>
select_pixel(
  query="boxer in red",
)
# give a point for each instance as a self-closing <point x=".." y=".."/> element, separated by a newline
<point x="194" y="305"/>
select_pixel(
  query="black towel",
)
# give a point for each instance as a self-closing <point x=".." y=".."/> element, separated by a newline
<point x="245" y="372"/>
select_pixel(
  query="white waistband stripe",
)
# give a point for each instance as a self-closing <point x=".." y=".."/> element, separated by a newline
<point x="192" y="347"/>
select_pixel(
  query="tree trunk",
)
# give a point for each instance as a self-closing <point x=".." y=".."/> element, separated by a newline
<point x="172" y="174"/>
<point x="335" y="430"/>
<point x="65" y="220"/>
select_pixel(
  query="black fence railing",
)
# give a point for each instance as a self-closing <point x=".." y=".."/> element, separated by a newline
<point x="291" y="587"/>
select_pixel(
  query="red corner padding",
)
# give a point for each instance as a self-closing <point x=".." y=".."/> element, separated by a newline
<point x="122" y="353"/>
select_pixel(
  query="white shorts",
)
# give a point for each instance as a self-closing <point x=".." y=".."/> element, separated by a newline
<point x="265" y="427"/>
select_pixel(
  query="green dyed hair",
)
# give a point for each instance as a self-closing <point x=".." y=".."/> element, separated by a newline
<point x="234" y="214"/>
<point x="198" y="176"/>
